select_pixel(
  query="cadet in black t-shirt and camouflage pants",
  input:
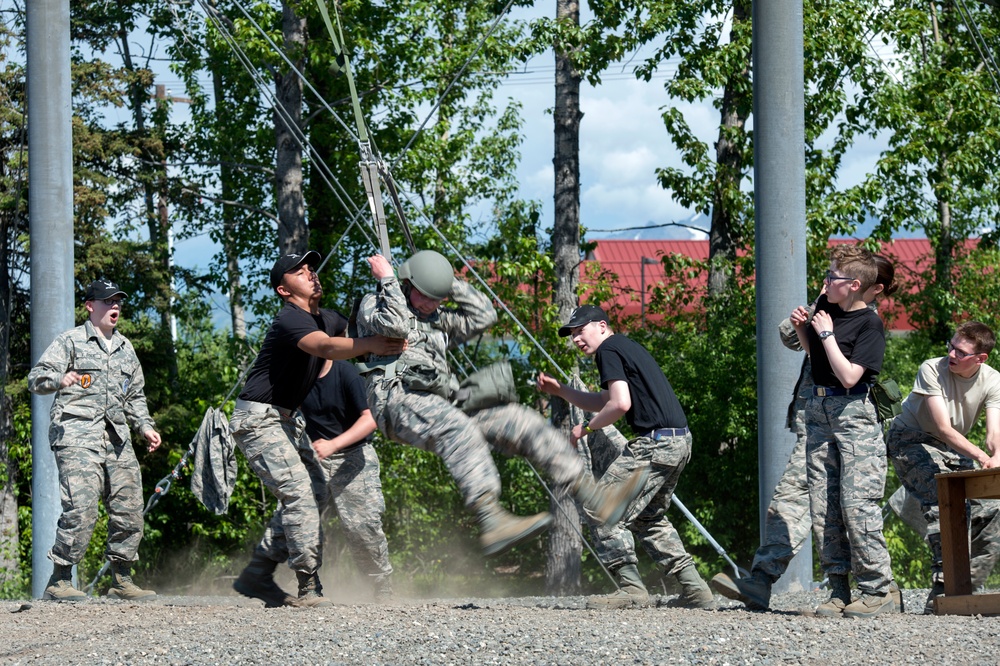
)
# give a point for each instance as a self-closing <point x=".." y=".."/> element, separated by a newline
<point x="339" y="427"/>
<point x="267" y="430"/>
<point x="845" y="451"/>
<point x="633" y="386"/>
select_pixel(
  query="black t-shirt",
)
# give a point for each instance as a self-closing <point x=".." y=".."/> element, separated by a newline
<point x="860" y="336"/>
<point x="335" y="402"/>
<point x="654" y="404"/>
<point x="283" y="374"/>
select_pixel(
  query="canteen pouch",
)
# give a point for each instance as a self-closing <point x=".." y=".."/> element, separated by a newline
<point x="489" y="387"/>
<point x="888" y="399"/>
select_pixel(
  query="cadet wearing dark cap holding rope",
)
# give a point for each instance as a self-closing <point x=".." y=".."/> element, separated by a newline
<point x="634" y="386"/>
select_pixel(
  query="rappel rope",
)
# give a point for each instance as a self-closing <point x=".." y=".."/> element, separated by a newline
<point x="371" y="164"/>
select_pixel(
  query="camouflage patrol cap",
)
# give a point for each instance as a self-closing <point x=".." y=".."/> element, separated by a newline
<point x="98" y="290"/>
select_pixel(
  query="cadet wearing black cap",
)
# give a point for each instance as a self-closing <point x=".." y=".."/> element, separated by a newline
<point x="98" y="382"/>
<point x="268" y="432"/>
<point x="633" y="386"/>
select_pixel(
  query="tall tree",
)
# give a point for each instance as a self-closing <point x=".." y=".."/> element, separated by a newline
<point x="293" y="236"/>
<point x="13" y="265"/>
<point x="562" y="575"/>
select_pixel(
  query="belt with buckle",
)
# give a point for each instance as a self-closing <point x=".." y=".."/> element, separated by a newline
<point x="251" y="406"/>
<point x="667" y="432"/>
<point x="824" y="391"/>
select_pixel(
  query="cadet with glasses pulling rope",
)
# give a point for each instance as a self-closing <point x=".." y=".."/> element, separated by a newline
<point x="267" y="431"/>
<point x="98" y="382"/>
<point x="634" y="386"/>
<point x="411" y="397"/>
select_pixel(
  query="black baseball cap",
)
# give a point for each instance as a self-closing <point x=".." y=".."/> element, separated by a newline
<point x="290" y="262"/>
<point x="583" y="315"/>
<point x="101" y="289"/>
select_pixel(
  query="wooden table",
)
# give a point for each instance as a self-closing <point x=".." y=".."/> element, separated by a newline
<point x="953" y="489"/>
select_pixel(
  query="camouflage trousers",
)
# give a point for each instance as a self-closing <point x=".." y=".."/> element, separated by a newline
<point x="87" y="477"/>
<point x="354" y="486"/>
<point x="270" y="443"/>
<point x="788" y="520"/>
<point x="646" y="517"/>
<point x="917" y="457"/>
<point x="846" y="467"/>
<point x="463" y="442"/>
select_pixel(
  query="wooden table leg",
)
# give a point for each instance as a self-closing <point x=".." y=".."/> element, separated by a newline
<point x="954" y="537"/>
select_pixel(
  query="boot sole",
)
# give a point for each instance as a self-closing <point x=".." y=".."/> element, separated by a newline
<point x="145" y="597"/>
<point x="504" y="545"/>
<point x="270" y="601"/>
<point x="728" y="588"/>
<point x="638" y="482"/>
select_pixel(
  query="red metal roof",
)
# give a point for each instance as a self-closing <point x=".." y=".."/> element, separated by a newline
<point x="911" y="257"/>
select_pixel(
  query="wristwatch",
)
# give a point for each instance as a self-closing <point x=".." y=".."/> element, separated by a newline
<point x="823" y="335"/>
<point x="586" y="428"/>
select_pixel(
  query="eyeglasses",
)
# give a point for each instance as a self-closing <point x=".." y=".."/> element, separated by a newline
<point x="832" y="277"/>
<point x="113" y="301"/>
<point x="959" y="354"/>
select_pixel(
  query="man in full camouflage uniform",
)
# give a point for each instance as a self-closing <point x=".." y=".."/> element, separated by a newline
<point x="339" y="429"/>
<point x="98" y="382"/>
<point x="411" y="395"/>
<point x="268" y="430"/>
<point x="930" y="437"/>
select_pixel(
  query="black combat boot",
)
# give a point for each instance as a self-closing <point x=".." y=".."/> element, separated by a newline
<point x="257" y="582"/>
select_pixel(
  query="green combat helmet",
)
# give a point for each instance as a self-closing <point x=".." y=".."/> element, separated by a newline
<point x="430" y="272"/>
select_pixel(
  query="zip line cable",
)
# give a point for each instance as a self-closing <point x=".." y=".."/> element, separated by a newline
<point x="979" y="42"/>
<point x="303" y="142"/>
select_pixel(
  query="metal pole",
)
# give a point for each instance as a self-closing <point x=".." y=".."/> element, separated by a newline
<point x="780" y="213"/>
<point x="50" y="206"/>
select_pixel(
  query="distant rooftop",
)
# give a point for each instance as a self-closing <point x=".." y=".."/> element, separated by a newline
<point x="911" y="257"/>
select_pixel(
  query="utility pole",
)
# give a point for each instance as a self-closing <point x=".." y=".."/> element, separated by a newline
<point x="50" y="207"/>
<point x="780" y="214"/>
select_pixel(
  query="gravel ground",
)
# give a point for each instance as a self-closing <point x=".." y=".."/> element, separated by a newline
<point x="527" y="630"/>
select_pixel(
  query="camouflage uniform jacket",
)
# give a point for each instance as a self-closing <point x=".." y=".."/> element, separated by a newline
<point x="109" y="393"/>
<point x="424" y="365"/>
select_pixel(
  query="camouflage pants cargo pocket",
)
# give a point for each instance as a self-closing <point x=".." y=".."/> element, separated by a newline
<point x="269" y="443"/>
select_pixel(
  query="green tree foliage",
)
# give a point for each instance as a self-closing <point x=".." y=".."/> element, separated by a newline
<point x="940" y="112"/>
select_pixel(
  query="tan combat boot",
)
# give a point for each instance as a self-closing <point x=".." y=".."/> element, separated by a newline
<point x="310" y="591"/>
<point x="754" y="591"/>
<point x="694" y="591"/>
<point x="631" y="594"/>
<point x="502" y="530"/>
<point x="870" y="605"/>
<point x="60" y="587"/>
<point x="840" y="597"/>
<point x="606" y="503"/>
<point x="122" y="586"/>
<point x="257" y="582"/>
